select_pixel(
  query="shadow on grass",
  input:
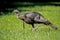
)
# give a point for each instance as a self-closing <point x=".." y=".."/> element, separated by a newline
<point x="14" y="5"/>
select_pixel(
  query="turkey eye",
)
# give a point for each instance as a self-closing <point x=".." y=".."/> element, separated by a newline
<point x="17" y="12"/>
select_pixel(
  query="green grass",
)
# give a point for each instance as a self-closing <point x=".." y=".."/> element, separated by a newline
<point x="11" y="27"/>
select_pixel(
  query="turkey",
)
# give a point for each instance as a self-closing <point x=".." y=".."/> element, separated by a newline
<point x="34" y="18"/>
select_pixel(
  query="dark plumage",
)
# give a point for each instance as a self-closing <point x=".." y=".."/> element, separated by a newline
<point x="32" y="18"/>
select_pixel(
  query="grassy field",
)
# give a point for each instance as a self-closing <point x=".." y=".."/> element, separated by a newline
<point x="11" y="27"/>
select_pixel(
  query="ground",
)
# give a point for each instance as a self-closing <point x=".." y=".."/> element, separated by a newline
<point x="11" y="27"/>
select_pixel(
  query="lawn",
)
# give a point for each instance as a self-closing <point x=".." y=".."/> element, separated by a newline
<point x="11" y="27"/>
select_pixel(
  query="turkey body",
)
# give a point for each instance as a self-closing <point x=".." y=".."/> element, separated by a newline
<point x="29" y="17"/>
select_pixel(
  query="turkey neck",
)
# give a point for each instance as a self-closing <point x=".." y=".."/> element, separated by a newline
<point x="18" y="15"/>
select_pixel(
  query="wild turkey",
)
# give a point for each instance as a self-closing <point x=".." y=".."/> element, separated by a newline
<point x="32" y="18"/>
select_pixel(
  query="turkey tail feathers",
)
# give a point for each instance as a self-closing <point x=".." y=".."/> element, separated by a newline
<point x="50" y="24"/>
